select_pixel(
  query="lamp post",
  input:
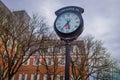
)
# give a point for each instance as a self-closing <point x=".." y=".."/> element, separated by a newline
<point x="68" y="26"/>
<point x="67" y="61"/>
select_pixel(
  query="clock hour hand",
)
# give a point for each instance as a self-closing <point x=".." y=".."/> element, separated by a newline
<point x="66" y="26"/>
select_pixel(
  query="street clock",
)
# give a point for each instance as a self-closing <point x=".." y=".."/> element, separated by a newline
<point x="69" y="23"/>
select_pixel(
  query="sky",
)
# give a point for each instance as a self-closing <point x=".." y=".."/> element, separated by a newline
<point x="101" y="17"/>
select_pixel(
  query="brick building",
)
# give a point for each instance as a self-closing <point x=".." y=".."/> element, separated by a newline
<point x="50" y="65"/>
<point x="49" y="62"/>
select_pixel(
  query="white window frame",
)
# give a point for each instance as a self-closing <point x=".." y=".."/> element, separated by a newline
<point x="8" y="43"/>
<point x="45" y="77"/>
<point x="62" y="50"/>
<point x="13" y="78"/>
<point x="48" y="50"/>
<point x="15" y="62"/>
<point x="72" y="78"/>
<point x="35" y="62"/>
<point x="74" y="49"/>
<point x="76" y="61"/>
<point x="33" y="75"/>
<point x="4" y="53"/>
<point x="61" y="59"/>
<point x="49" y="60"/>
<point x="21" y="75"/>
<point x="58" y="77"/>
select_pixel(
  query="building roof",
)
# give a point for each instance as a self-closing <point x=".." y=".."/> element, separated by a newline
<point x="4" y="8"/>
<point x="22" y="12"/>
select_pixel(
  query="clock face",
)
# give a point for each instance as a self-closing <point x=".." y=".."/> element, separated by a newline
<point x="67" y="22"/>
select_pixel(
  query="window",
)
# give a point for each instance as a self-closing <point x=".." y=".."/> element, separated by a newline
<point x="62" y="50"/>
<point x="60" y="77"/>
<point x="26" y="62"/>
<point x="5" y="54"/>
<point x="9" y="43"/>
<point x="50" y="49"/>
<point x="35" y="77"/>
<point x="15" y="61"/>
<point x="15" y="49"/>
<point x="76" y="61"/>
<point x="61" y="61"/>
<point x="74" y="77"/>
<point x="48" y="77"/>
<point x="57" y="50"/>
<point x="37" y="61"/>
<point x="49" y="61"/>
<point x="74" y="49"/>
<point x="4" y="21"/>
<point x="13" y="78"/>
<point x="22" y="76"/>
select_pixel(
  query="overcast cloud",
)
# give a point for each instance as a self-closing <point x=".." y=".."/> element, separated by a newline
<point x="101" y="17"/>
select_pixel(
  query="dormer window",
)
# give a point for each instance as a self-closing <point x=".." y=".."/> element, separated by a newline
<point x="37" y="61"/>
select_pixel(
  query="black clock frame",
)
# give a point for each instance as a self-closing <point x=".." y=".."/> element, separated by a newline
<point x="78" y="31"/>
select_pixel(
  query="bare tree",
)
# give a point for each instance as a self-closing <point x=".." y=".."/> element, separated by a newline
<point x="91" y="57"/>
<point x="20" y="38"/>
<point x="50" y="58"/>
<point x="111" y="72"/>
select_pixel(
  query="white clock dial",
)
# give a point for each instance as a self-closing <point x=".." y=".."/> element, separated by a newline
<point x="67" y="22"/>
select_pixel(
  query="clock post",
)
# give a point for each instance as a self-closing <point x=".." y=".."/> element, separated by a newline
<point x="68" y="26"/>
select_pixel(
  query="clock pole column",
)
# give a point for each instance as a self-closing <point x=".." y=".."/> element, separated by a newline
<point x="68" y="35"/>
<point x="67" y="61"/>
